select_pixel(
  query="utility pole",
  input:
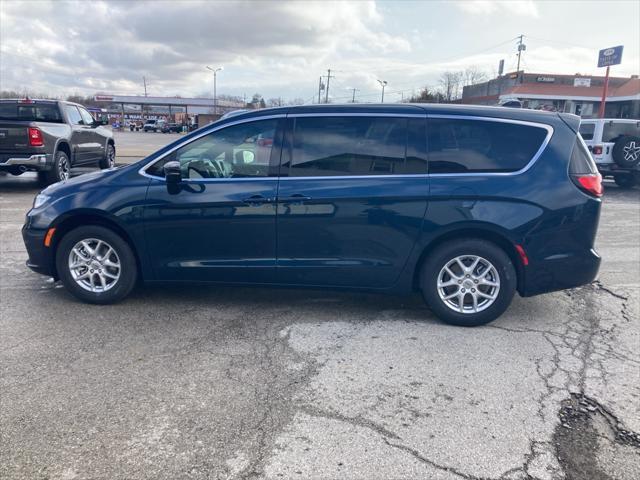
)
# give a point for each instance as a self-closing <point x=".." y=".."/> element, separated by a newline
<point x="320" y="88"/>
<point x="353" y="99"/>
<point x="144" y="80"/>
<point x="329" y="77"/>
<point x="384" y="84"/>
<point x="521" y="48"/>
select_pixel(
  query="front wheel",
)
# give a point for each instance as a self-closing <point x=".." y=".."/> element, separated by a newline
<point x="468" y="282"/>
<point x="96" y="265"/>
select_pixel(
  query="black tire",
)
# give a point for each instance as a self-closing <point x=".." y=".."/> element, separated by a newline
<point x="626" y="151"/>
<point x="625" y="180"/>
<point x="442" y="255"/>
<point x="60" y="170"/>
<point x="128" y="272"/>
<point x="109" y="160"/>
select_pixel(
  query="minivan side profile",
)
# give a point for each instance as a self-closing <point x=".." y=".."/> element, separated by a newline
<point x="468" y="205"/>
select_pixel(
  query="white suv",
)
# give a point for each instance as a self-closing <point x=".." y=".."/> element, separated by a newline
<point x="615" y="146"/>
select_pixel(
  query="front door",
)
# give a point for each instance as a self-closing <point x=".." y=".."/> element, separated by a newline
<point x="220" y="224"/>
<point x="352" y="198"/>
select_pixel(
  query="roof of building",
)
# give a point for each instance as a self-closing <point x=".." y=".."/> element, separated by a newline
<point x="629" y="90"/>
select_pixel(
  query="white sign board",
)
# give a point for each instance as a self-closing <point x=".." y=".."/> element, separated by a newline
<point x="581" y="82"/>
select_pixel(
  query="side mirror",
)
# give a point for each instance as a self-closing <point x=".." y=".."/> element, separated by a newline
<point x="172" y="173"/>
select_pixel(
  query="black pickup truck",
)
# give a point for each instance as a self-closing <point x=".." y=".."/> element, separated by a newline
<point x="50" y="137"/>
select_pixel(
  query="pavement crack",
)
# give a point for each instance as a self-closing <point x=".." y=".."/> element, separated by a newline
<point x="357" y="421"/>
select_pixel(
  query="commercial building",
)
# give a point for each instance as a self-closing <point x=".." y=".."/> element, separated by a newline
<point x="579" y="94"/>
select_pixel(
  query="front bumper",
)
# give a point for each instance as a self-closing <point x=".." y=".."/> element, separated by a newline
<point x="32" y="162"/>
<point x="40" y="257"/>
<point x="560" y="272"/>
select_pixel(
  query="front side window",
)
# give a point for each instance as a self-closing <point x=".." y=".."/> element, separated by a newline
<point x="468" y="146"/>
<point x="237" y="151"/>
<point x="87" y="119"/>
<point x="339" y="146"/>
<point x="74" y="115"/>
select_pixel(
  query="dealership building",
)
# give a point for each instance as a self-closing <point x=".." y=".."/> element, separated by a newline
<point x="579" y="94"/>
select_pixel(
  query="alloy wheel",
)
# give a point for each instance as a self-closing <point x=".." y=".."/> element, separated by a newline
<point x="94" y="265"/>
<point x="64" y="169"/>
<point x="468" y="284"/>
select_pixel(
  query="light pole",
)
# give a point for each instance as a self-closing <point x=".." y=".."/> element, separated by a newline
<point x="384" y="84"/>
<point x="215" y="97"/>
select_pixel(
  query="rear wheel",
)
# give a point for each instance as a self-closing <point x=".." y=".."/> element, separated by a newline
<point x="96" y="265"/>
<point x="468" y="282"/>
<point x="60" y="170"/>
<point x="625" y="180"/>
<point x="109" y="160"/>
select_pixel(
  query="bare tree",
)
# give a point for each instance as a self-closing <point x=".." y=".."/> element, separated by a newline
<point x="473" y="75"/>
<point x="450" y="83"/>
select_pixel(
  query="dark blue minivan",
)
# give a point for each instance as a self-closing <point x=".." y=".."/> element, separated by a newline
<point x="466" y="204"/>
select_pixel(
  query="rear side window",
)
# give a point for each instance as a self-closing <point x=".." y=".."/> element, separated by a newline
<point x="581" y="162"/>
<point x="37" y="112"/>
<point x="333" y="146"/>
<point x="467" y="146"/>
<point x="611" y="131"/>
<point x="587" y="130"/>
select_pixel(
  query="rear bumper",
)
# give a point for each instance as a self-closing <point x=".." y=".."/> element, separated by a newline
<point x="40" y="257"/>
<point x="31" y="162"/>
<point x="560" y="272"/>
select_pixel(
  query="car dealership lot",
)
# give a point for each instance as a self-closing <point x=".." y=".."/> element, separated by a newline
<point x="209" y="382"/>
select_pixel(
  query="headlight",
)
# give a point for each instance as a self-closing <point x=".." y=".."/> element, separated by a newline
<point x="40" y="200"/>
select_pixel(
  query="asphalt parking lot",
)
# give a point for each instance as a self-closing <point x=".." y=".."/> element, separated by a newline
<point x="214" y="383"/>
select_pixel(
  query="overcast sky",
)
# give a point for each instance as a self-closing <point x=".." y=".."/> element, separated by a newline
<point x="281" y="48"/>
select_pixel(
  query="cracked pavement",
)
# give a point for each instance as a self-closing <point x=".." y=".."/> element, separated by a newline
<point x="223" y="383"/>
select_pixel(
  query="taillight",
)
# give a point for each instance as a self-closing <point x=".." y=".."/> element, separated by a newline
<point x="35" y="137"/>
<point x="590" y="183"/>
<point x="596" y="150"/>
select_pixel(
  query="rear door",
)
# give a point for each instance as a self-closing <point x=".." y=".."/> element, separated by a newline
<point x="352" y="197"/>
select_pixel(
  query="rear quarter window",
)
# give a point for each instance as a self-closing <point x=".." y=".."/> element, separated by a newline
<point x="587" y="130"/>
<point x="484" y="146"/>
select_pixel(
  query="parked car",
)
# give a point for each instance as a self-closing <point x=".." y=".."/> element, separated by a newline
<point x="171" y="127"/>
<point x="614" y="144"/>
<point x="50" y="137"/>
<point x="153" y="125"/>
<point x="466" y="204"/>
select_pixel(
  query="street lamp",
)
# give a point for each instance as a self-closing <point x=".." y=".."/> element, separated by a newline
<point x="384" y="84"/>
<point x="215" y="97"/>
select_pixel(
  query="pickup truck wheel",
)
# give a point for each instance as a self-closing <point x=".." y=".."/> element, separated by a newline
<point x="96" y="265"/>
<point x="625" y="180"/>
<point x="468" y="282"/>
<point x="626" y="151"/>
<point x="60" y="170"/>
<point x="109" y="160"/>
